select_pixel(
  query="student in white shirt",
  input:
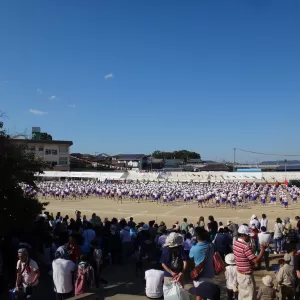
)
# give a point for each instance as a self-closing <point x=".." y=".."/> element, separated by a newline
<point x="231" y="277"/>
<point x="264" y="221"/>
<point x="154" y="283"/>
<point x="264" y="237"/>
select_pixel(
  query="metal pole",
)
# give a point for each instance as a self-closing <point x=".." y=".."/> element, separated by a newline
<point x="285" y="167"/>
<point x="233" y="160"/>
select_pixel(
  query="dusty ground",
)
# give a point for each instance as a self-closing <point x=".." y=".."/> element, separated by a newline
<point x="146" y="211"/>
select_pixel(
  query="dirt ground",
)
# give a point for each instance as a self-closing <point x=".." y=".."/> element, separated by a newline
<point x="146" y="210"/>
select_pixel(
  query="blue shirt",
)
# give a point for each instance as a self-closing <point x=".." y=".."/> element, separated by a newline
<point x="166" y="258"/>
<point x="198" y="253"/>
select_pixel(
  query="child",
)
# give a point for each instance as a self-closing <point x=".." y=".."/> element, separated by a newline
<point x="231" y="277"/>
<point x="85" y="276"/>
<point x="266" y="291"/>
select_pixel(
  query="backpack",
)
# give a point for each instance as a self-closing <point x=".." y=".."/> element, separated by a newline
<point x="291" y="236"/>
<point x="176" y="261"/>
<point x="84" y="279"/>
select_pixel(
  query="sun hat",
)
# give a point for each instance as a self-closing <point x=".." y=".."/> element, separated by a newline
<point x="229" y="223"/>
<point x="267" y="280"/>
<point x="229" y="259"/>
<point x="174" y="239"/>
<point x="287" y="257"/>
<point x="145" y="227"/>
<point x="243" y="229"/>
<point x="23" y="251"/>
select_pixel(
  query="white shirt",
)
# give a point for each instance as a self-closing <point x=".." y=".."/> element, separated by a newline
<point x="231" y="276"/>
<point x="264" y="237"/>
<point x="125" y="235"/>
<point x="62" y="275"/>
<point x="88" y="235"/>
<point x="154" y="283"/>
<point x="264" y="222"/>
<point x="27" y="277"/>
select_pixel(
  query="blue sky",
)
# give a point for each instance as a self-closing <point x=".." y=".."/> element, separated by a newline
<point x="133" y="76"/>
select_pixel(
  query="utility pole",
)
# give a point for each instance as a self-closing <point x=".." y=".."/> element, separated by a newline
<point x="234" y="159"/>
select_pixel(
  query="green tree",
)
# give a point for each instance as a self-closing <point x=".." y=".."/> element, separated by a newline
<point x="18" y="209"/>
<point x="184" y="155"/>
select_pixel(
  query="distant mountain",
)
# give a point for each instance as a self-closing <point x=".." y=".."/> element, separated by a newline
<point x="280" y="162"/>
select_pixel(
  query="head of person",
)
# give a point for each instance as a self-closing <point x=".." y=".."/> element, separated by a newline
<point x="84" y="258"/>
<point x="244" y="233"/>
<point x="226" y="229"/>
<point x="220" y="223"/>
<point x="221" y="230"/>
<point x="23" y="254"/>
<point x="229" y="259"/>
<point x="151" y="223"/>
<point x="62" y="252"/>
<point x="131" y="219"/>
<point x="263" y="229"/>
<point x="211" y="218"/>
<point x="185" y="220"/>
<point x="280" y="262"/>
<point x="263" y="216"/>
<point x="267" y="281"/>
<point x="173" y="240"/>
<point x="191" y="225"/>
<point x="201" y="234"/>
<point x="278" y="220"/>
<point x="287" y="258"/>
<point x="201" y="219"/>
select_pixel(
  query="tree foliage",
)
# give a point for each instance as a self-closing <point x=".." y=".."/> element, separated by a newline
<point x="17" y="208"/>
<point x="184" y="155"/>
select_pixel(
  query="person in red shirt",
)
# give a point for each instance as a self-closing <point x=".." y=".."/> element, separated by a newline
<point x="73" y="249"/>
<point x="245" y="262"/>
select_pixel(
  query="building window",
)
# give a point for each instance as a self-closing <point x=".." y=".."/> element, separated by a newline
<point x="48" y="151"/>
<point x="32" y="148"/>
<point x="63" y="149"/>
<point x="63" y="161"/>
<point x="54" y="152"/>
<point x="41" y="148"/>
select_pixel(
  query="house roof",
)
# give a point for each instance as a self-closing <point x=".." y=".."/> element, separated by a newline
<point x="130" y="156"/>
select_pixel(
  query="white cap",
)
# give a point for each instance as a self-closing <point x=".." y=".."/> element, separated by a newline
<point x="243" y="229"/>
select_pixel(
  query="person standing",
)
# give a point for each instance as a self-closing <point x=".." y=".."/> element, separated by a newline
<point x="200" y="252"/>
<point x="184" y="225"/>
<point x="245" y="261"/>
<point x="265" y="237"/>
<point x="28" y="273"/>
<point x="63" y="272"/>
<point x="264" y="221"/>
<point x="278" y="236"/>
<point x="173" y="258"/>
<point x="286" y="279"/>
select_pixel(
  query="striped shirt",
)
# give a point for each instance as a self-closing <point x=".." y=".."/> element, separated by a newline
<point x="243" y="256"/>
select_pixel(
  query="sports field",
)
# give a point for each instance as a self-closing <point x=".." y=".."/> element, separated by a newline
<point x="145" y="211"/>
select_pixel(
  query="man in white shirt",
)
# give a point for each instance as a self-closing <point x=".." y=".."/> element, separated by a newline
<point x="265" y="238"/>
<point x="264" y="221"/>
<point x="63" y="270"/>
<point x="154" y="283"/>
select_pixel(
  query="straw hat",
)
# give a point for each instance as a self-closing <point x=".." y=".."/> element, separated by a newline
<point x="229" y="259"/>
<point x="267" y="280"/>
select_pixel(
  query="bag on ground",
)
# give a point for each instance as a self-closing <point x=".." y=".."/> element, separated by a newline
<point x="174" y="291"/>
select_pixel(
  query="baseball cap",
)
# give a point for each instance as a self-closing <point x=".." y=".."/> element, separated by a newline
<point x="243" y="229"/>
<point x="287" y="257"/>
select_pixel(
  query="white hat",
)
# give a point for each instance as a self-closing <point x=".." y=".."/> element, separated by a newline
<point x="174" y="239"/>
<point x="229" y="259"/>
<point x="243" y="229"/>
<point x="229" y="223"/>
<point x="287" y="257"/>
<point x="267" y="280"/>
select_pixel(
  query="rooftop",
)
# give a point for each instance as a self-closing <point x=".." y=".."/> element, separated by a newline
<point x="130" y="156"/>
<point x="28" y="141"/>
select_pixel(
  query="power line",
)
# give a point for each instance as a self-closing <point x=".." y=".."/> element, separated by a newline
<point x="271" y="154"/>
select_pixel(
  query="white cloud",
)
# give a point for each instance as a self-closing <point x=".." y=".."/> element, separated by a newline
<point x="52" y="97"/>
<point x="37" y="112"/>
<point x="72" y="105"/>
<point x="109" y="75"/>
<point x="39" y="91"/>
